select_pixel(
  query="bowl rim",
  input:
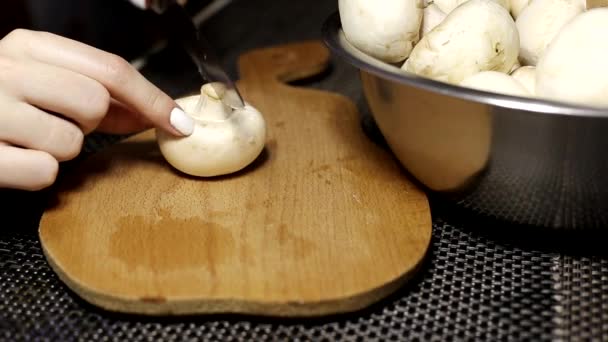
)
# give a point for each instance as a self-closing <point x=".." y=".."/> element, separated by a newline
<point x="334" y="38"/>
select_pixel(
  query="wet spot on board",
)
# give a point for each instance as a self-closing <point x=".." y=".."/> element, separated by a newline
<point x="322" y="168"/>
<point x="282" y="233"/>
<point x="169" y="244"/>
<point x="291" y="243"/>
<point x="347" y="158"/>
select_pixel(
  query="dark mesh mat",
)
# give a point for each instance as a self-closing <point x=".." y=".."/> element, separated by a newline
<point x="583" y="298"/>
<point x="471" y="288"/>
<point x="559" y="200"/>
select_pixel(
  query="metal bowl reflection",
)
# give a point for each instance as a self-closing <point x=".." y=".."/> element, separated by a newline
<point x="523" y="160"/>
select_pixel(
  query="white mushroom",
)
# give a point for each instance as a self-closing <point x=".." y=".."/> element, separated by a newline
<point x="479" y="35"/>
<point x="447" y="6"/>
<point x="431" y="17"/>
<point x="539" y="22"/>
<point x="517" y="6"/>
<point x="574" y="67"/>
<point x="496" y="82"/>
<point x="384" y="29"/>
<point x="526" y="75"/>
<point x="224" y="140"/>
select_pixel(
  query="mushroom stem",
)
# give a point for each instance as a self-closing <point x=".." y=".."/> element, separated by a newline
<point x="210" y="105"/>
<point x="199" y="103"/>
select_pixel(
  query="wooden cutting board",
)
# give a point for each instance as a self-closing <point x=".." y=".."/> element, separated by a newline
<point x="323" y="222"/>
<point x="596" y="4"/>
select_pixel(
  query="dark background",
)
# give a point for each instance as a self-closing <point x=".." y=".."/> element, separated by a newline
<point x="112" y="25"/>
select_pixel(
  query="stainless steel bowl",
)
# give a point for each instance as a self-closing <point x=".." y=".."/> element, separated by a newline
<point x="523" y="160"/>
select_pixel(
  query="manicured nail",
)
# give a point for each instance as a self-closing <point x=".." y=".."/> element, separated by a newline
<point x="142" y="4"/>
<point x="181" y="121"/>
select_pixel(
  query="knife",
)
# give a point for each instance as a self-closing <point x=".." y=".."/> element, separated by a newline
<point x="180" y="27"/>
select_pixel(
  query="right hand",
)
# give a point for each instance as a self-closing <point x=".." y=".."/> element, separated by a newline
<point x="54" y="90"/>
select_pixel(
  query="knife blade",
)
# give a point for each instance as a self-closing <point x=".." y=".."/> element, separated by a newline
<point x="181" y="28"/>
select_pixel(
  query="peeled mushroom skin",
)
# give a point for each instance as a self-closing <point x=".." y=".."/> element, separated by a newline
<point x="496" y="82"/>
<point x="384" y="29"/>
<point x="223" y="141"/>
<point x="477" y="36"/>
<point x="540" y="22"/>
<point x="574" y="67"/>
<point x="526" y="75"/>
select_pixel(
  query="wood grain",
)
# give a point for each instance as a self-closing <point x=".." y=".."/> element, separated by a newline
<point x="596" y="4"/>
<point x="323" y="222"/>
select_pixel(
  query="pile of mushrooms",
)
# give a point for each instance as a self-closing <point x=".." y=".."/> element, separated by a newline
<point x="224" y="140"/>
<point x="551" y="49"/>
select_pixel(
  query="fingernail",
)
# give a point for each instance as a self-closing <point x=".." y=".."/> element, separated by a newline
<point x="181" y="121"/>
<point x="142" y="4"/>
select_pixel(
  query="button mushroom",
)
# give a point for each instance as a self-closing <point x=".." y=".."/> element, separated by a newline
<point x="478" y="35"/>
<point x="496" y="82"/>
<point x="517" y="6"/>
<point x="223" y="141"/>
<point x="539" y="22"/>
<point x="574" y="67"/>
<point x="384" y="29"/>
<point x="431" y="17"/>
<point x="526" y="75"/>
<point x="447" y="6"/>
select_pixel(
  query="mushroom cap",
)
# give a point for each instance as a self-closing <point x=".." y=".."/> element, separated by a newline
<point x="447" y="6"/>
<point x="384" y="29"/>
<point x="432" y="16"/>
<point x="517" y="6"/>
<point x="574" y="67"/>
<point x="216" y="147"/>
<point x="539" y="22"/>
<point x="526" y="75"/>
<point x="478" y="35"/>
<point x="496" y="82"/>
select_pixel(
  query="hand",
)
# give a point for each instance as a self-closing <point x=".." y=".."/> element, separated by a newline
<point x="54" y="90"/>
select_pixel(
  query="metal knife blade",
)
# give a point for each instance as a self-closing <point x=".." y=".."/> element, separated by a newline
<point x="180" y="27"/>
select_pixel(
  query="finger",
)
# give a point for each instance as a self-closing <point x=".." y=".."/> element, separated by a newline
<point x="25" y="169"/>
<point x="55" y="89"/>
<point x="121" y="120"/>
<point x="26" y="126"/>
<point x="124" y="82"/>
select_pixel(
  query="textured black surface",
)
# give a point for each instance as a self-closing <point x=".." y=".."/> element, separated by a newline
<point x="483" y="280"/>
<point x="583" y="298"/>
<point x="471" y="287"/>
<point x="559" y="199"/>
